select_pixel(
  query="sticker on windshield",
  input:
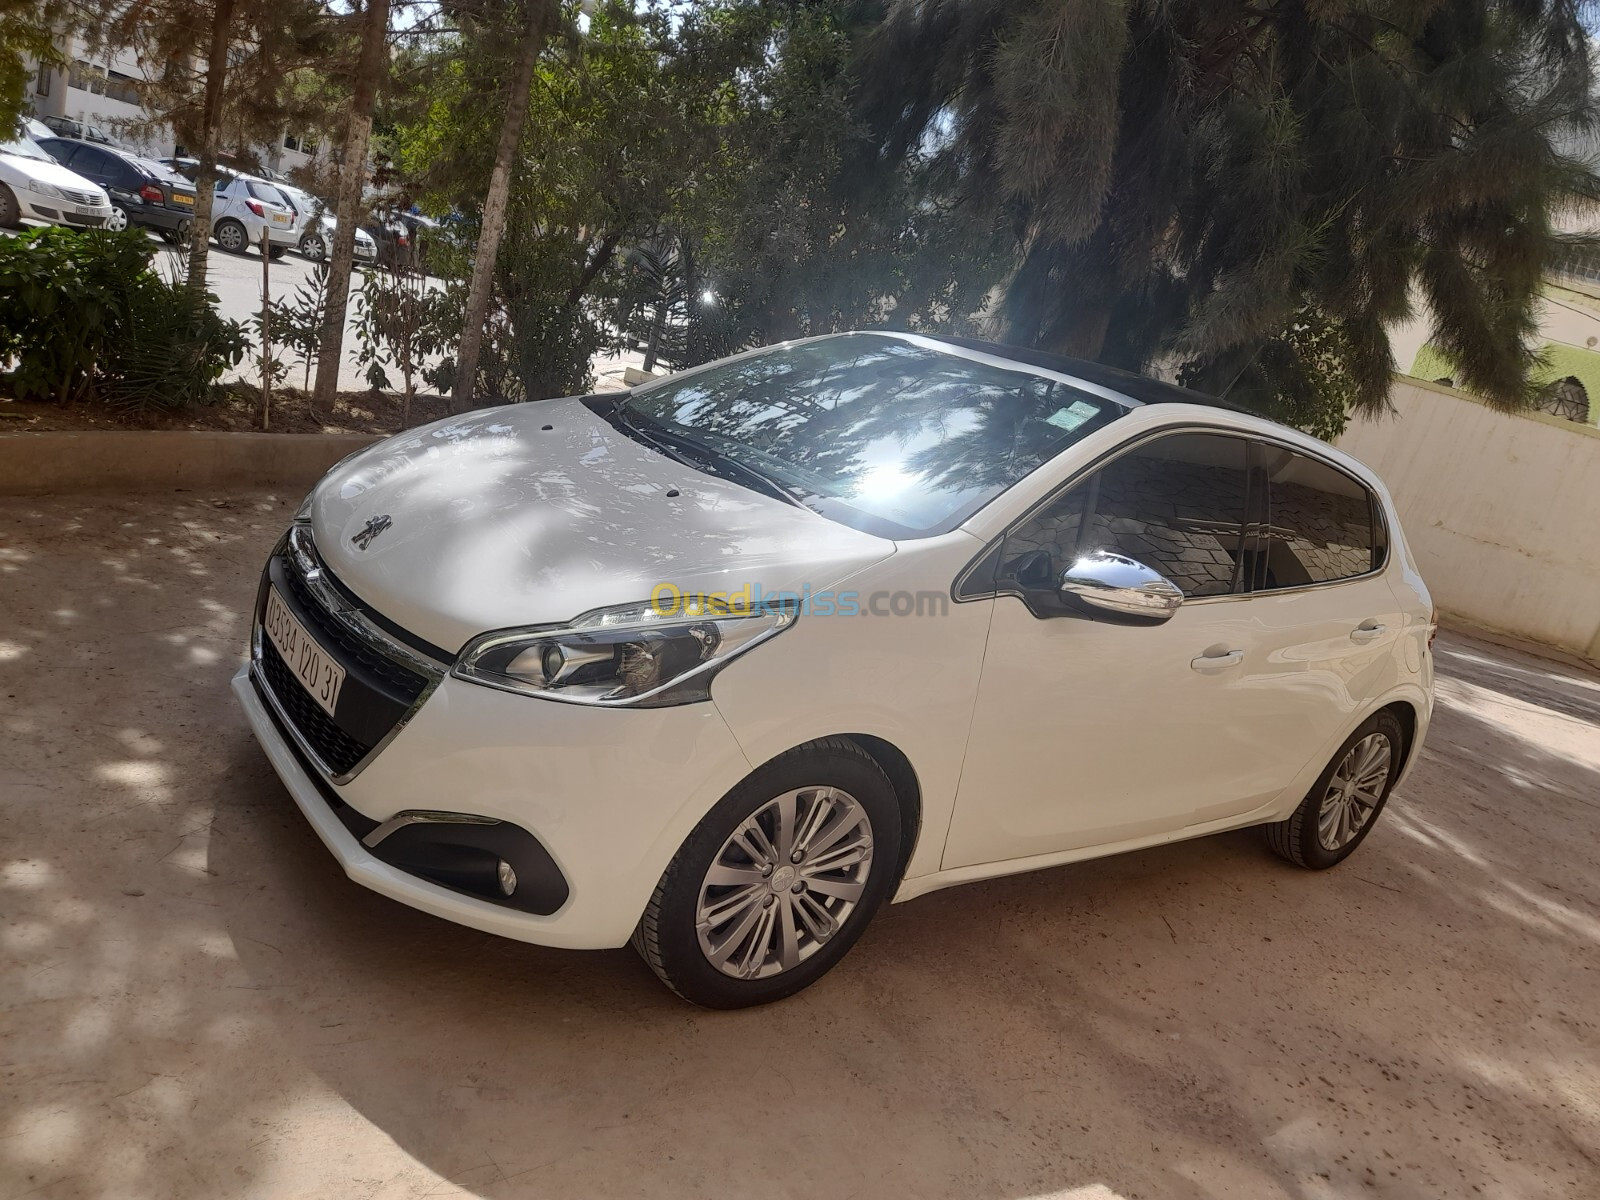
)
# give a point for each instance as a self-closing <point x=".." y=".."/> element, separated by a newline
<point x="1072" y="416"/>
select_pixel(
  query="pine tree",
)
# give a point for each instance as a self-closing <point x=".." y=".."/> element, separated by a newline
<point x="220" y="75"/>
<point x="1254" y="192"/>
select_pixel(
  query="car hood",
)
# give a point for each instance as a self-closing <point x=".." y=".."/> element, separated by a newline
<point x="51" y="172"/>
<point x="537" y="513"/>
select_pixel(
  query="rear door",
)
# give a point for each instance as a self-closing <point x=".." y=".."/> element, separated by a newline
<point x="1324" y="620"/>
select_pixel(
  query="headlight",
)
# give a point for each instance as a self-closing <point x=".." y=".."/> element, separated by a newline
<point x="46" y="189"/>
<point x="632" y="656"/>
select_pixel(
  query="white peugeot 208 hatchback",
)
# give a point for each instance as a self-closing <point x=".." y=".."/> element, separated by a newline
<point x="721" y="664"/>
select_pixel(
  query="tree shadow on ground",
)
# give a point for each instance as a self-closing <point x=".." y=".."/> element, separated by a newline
<point x="201" y="1005"/>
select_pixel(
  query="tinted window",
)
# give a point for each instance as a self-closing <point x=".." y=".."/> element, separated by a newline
<point x="1319" y="523"/>
<point x="876" y="432"/>
<point x="1176" y="504"/>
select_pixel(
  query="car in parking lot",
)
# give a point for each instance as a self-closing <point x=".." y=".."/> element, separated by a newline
<point x="142" y="191"/>
<point x="67" y="127"/>
<point x="719" y="665"/>
<point x="241" y="207"/>
<point x="316" y="243"/>
<point x="36" y="187"/>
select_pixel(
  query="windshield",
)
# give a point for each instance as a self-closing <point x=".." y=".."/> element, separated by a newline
<point x="882" y="434"/>
<point x="23" y="148"/>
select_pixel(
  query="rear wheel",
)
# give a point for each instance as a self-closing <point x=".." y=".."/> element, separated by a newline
<point x="1344" y="803"/>
<point x="231" y="236"/>
<point x="10" y="211"/>
<point x="312" y="247"/>
<point x="778" y="881"/>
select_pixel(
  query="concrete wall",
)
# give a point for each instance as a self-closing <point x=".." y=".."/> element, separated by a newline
<point x="41" y="464"/>
<point x="1502" y="512"/>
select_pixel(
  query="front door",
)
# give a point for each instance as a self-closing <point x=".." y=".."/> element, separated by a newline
<point x="1087" y="732"/>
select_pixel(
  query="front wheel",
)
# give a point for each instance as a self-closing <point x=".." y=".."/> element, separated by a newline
<point x="1344" y="803"/>
<point x="778" y="881"/>
<point x="118" y="220"/>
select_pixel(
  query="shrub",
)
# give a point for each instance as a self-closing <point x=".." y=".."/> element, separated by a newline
<point x="82" y="315"/>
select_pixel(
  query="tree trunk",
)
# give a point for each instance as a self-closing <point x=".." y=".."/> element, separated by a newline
<point x="370" y="68"/>
<point x="205" y="182"/>
<point x="536" y="24"/>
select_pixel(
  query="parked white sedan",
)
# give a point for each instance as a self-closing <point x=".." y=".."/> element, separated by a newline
<point x="722" y="664"/>
<point x="36" y="187"/>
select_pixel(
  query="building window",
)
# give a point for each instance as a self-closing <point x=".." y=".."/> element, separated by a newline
<point x="41" y="86"/>
<point x="1583" y="266"/>
<point x="98" y="81"/>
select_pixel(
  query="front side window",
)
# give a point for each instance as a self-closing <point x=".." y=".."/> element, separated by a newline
<point x="1319" y="524"/>
<point x="1177" y="504"/>
<point x="882" y="434"/>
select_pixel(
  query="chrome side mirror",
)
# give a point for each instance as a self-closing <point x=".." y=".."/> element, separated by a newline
<point x="1125" y="586"/>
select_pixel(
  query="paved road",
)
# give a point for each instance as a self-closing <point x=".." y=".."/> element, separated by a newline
<point x="195" y="1003"/>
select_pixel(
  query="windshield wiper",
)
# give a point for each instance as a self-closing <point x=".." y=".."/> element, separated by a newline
<point x="692" y="452"/>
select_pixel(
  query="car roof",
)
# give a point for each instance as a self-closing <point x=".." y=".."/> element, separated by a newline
<point x="1137" y="387"/>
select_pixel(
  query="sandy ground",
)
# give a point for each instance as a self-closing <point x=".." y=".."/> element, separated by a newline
<point x="194" y="1002"/>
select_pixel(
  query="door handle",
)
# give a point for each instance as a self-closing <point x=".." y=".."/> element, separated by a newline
<point x="1215" y="662"/>
<point x="1368" y="630"/>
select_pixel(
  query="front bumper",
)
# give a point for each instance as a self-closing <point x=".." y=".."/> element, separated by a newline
<point x="59" y="212"/>
<point x="607" y="795"/>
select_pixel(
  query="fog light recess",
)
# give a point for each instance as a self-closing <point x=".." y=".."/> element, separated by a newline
<point x="507" y="877"/>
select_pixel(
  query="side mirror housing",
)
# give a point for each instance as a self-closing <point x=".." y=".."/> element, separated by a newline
<point x="1125" y="587"/>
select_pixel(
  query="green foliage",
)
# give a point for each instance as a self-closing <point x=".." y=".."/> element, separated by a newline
<point x="1187" y="180"/>
<point x="296" y="322"/>
<point x="25" y="33"/>
<point x="83" y="315"/>
<point x="403" y="320"/>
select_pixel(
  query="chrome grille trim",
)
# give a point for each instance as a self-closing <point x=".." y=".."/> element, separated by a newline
<point x="299" y="548"/>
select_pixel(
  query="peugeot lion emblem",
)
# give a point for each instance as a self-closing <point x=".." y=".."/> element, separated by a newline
<point x="373" y="527"/>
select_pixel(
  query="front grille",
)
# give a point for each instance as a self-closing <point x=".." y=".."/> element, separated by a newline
<point x="77" y="197"/>
<point x="378" y="692"/>
<point x="406" y="685"/>
<point x="338" y="751"/>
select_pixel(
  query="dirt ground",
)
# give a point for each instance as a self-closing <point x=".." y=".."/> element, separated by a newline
<point x="194" y="1002"/>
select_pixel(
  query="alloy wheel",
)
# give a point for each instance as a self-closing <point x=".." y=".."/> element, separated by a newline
<point x="230" y="237"/>
<point x="784" y="882"/>
<point x="1354" y="791"/>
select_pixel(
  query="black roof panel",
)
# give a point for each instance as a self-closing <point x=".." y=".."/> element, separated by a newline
<point x="1137" y="387"/>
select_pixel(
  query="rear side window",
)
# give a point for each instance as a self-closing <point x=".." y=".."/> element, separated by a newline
<point x="1176" y="504"/>
<point x="268" y="193"/>
<point x="1320" y="523"/>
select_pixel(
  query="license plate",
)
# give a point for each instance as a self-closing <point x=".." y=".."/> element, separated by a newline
<point x="312" y="665"/>
<point x="280" y="218"/>
<point x="85" y="210"/>
<point x="180" y="198"/>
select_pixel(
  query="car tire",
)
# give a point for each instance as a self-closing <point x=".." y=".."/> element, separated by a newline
<point x="10" y="210"/>
<point x="118" y="220"/>
<point x="1343" y="805"/>
<point x="312" y="248"/>
<point x="231" y="236"/>
<point x="766" y="907"/>
<point x="276" y="252"/>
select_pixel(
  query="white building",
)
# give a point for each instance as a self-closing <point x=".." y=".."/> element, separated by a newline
<point x="102" y="88"/>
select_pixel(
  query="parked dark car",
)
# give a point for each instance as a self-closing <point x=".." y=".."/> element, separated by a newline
<point x="81" y="130"/>
<point x="142" y="191"/>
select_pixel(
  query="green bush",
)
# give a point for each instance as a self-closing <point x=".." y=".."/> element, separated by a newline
<point x="83" y="315"/>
